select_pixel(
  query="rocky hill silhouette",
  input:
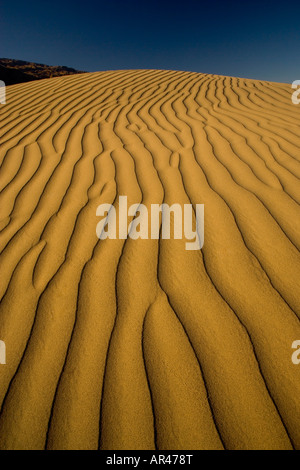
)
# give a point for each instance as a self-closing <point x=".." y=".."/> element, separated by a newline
<point x="19" y="71"/>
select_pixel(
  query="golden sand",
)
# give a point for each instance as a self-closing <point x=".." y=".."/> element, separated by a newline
<point x="140" y="344"/>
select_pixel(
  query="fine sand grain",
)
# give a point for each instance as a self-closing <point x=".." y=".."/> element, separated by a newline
<point x="140" y="344"/>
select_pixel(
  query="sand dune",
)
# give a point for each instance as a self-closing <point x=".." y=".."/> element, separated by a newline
<point x="140" y="344"/>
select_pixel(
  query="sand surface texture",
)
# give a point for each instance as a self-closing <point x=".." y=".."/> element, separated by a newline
<point x="141" y="344"/>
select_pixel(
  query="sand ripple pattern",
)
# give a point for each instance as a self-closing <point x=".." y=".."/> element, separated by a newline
<point x="140" y="344"/>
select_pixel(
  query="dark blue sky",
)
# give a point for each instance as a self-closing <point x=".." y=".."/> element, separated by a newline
<point x="255" y="39"/>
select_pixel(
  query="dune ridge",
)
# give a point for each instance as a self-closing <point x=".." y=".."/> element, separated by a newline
<point x="140" y="344"/>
